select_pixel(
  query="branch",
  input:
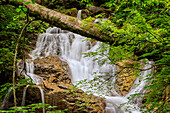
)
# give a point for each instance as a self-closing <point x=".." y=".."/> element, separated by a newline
<point x="64" y="21"/>
<point x="111" y="77"/>
<point x="14" y="64"/>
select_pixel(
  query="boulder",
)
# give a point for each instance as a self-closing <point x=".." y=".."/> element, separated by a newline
<point x="126" y="78"/>
<point x="59" y="90"/>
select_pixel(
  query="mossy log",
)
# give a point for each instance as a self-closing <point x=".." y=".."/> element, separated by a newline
<point x="75" y="25"/>
<point x="64" y="21"/>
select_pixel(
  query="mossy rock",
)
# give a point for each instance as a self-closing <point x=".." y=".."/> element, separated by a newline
<point x="86" y="13"/>
<point x="71" y="12"/>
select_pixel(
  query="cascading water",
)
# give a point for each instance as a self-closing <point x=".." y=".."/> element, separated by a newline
<point x="79" y="14"/>
<point x="29" y="71"/>
<point x="141" y="81"/>
<point x="6" y="99"/>
<point x="24" y="95"/>
<point x="42" y="97"/>
<point x="69" y="47"/>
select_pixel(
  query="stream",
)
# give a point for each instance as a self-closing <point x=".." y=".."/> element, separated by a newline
<point x="70" y="46"/>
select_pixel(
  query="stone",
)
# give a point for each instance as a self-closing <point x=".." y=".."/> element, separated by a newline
<point x="126" y="78"/>
<point x="59" y="90"/>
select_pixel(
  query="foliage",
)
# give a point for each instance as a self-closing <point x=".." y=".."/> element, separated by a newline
<point x="11" y="20"/>
<point x="32" y="108"/>
<point x="4" y="89"/>
<point x="141" y="30"/>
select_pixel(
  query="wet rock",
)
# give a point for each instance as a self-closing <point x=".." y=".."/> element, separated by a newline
<point x="126" y="77"/>
<point x="75" y="102"/>
<point x="59" y="90"/>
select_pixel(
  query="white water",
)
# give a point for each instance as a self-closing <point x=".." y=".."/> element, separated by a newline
<point x="24" y="95"/>
<point x="141" y="81"/>
<point x="79" y="14"/>
<point x="69" y="47"/>
<point x="6" y="99"/>
<point x="42" y="97"/>
<point x="29" y="71"/>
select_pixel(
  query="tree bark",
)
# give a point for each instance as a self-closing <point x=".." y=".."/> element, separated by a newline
<point x="64" y="21"/>
<point x="75" y="25"/>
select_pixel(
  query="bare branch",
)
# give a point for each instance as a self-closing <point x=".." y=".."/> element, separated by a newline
<point x="14" y="64"/>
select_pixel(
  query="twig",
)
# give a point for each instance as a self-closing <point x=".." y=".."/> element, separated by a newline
<point x="14" y="66"/>
<point x="127" y="66"/>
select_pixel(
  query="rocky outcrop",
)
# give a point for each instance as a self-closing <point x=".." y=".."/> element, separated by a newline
<point x="126" y="77"/>
<point x="71" y="12"/>
<point x="59" y="90"/>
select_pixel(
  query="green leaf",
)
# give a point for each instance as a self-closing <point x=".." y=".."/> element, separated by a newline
<point x="25" y="9"/>
<point x="23" y="14"/>
<point x="27" y="3"/>
<point x="168" y="109"/>
<point x="18" y="10"/>
<point x="33" y="2"/>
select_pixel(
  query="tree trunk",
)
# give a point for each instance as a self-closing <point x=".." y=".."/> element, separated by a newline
<point x="75" y="25"/>
<point x="64" y="21"/>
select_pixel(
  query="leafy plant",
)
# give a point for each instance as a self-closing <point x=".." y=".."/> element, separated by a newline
<point x="140" y="29"/>
<point x="32" y="108"/>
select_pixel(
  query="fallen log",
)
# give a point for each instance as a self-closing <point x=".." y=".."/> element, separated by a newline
<point x="76" y="25"/>
<point x="64" y="21"/>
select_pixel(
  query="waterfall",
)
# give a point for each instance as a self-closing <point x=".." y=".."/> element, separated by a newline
<point x="29" y="71"/>
<point x="141" y="82"/>
<point x="42" y="97"/>
<point x="79" y="14"/>
<point x="69" y="47"/>
<point x="24" y="95"/>
<point x="6" y="99"/>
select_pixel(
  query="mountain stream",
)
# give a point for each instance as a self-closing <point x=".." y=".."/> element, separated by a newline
<point x="70" y="46"/>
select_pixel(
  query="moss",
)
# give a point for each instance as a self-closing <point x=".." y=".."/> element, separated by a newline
<point x="71" y="19"/>
<point x="86" y="13"/>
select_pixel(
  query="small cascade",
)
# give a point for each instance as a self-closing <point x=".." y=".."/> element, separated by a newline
<point x="138" y="87"/>
<point x="24" y="95"/>
<point x="79" y="14"/>
<point x="42" y="97"/>
<point x="6" y="99"/>
<point x="29" y="71"/>
<point x="141" y="82"/>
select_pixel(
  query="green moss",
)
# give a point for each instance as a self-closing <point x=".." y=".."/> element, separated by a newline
<point x="71" y="19"/>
